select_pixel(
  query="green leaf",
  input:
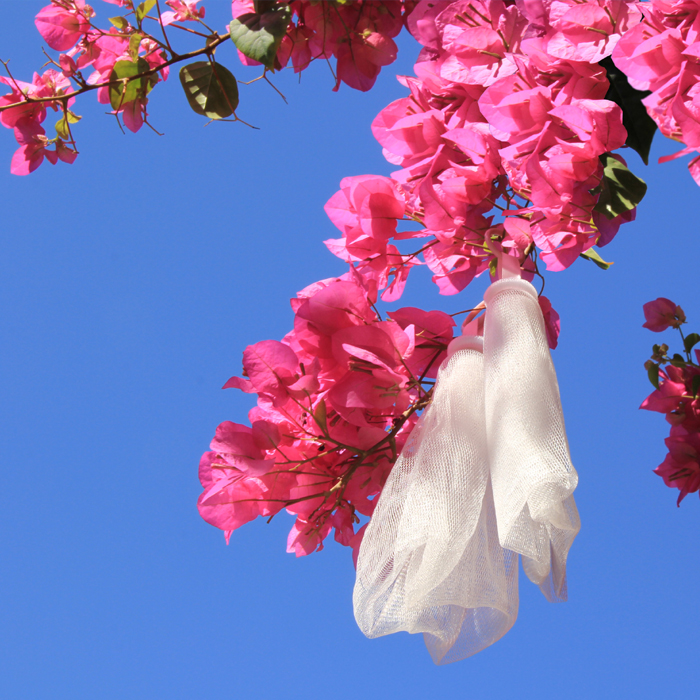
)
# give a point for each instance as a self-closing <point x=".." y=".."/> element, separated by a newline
<point x="258" y="36"/>
<point x="691" y="340"/>
<point x="119" y="22"/>
<point x="73" y="118"/>
<point x="621" y="189"/>
<point x="320" y="416"/>
<point x="134" y="45"/>
<point x="144" y="8"/>
<point x="593" y="256"/>
<point x="695" y="386"/>
<point x="211" y="89"/>
<point x="123" y="93"/>
<point x="640" y="126"/>
<point x="62" y="128"/>
<point x="678" y="361"/>
<point x="653" y="373"/>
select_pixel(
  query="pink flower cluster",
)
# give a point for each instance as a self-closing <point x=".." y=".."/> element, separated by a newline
<point x="27" y="120"/>
<point x="337" y="399"/>
<point x="662" y="54"/>
<point x="506" y="118"/>
<point x="359" y="34"/>
<point x="67" y="26"/>
<point x="677" y="397"/>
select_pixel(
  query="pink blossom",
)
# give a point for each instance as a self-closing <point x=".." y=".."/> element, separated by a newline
<point x="305" y="538"/>
<point x="649" y="61"/>
<point x="241" y="7"/>
<point x="588" y="31"/>
<point x="24" y="113"/>
<point x="676" y="396"/>
<point x="552" y="323"/>
<point x="669" y="396"/>
<point x="32" y="151"/>
<point x="334" y="307"/>
<point x="109" y="49"/>
<point x="68" y="65"/>
<point x="360" y="61"/>
<point x="61" y="27"/>
<point x="421" y="23"/>
<point x="183" y="11"/>
<point x="296" y="45"/>
<point x="271" y="367"/>
<point x="229" y="500"/>
<point x="368" y="205"/>
<point x="515" y="111"/>
<point x="408" y="136"/>
<point x="431" y="329"/>
<point x="681" y="468"/>
<point x="455" y="265"/>
<point x="661" y="314"/>
<point x="497" y="147"/>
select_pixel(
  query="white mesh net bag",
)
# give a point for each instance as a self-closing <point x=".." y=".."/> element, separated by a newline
<point x="485" y="476"/>
<point x="430" y="560"/>
<point x="531" y="471"/>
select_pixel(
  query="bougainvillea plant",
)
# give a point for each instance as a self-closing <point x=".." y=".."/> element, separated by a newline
<point x="124" y="60"/>
<point x="509" y="141"/>
<point x="676" y="381"/>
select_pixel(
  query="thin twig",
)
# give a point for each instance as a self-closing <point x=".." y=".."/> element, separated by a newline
<point x="221" y="38"/>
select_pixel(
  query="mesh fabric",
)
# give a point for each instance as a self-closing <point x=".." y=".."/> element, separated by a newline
<point x="485" y="476"/>
<point x="430" y="560"/>
<point x="531" y="471"/>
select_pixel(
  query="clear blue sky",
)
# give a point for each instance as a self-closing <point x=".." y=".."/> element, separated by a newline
<point x="131" y="282"/>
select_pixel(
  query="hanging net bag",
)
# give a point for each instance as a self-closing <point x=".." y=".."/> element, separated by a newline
<point x="430" y="560"/>
<point x="484" y="477"/>
<point x="531" y="471"/>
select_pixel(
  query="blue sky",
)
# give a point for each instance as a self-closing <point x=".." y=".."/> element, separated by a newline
<point x="131" y="282"/>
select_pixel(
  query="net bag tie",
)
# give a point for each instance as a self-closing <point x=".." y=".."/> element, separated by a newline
<point x="484" y="477"/>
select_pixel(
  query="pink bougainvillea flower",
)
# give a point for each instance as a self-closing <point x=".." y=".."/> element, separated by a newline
<point x="229" y="499"/>
<point x="552" y="324"/>
<point x="367" y="204"/>
<point x="661" y="314"/>
<point x="182" y="11"/>
<point x="23" y="113"/>
<point x="588" y="31"/>
<point x="61" y="27"/>
<point x="681" y="468"/>
<point x="668" y="396"/>
<point x="32" y="151"/>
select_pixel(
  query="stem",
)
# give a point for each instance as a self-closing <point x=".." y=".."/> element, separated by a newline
<point x="221" y="38"/>
<point x="269" y="82"/>
<point x="687" y="353"/>
<point x="162" y="28"/>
